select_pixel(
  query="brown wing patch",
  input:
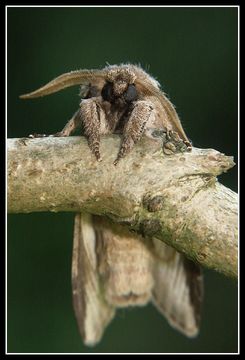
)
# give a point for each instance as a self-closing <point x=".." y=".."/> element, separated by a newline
<point x="125" y="265"/>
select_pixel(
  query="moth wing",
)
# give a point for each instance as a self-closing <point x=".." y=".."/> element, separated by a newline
<point x="92" y="312"/>
<point x="125" y="265"/>
<point x="79" y="77"/>
<point x="150" y="87"/>
<point x="178" y="289"/>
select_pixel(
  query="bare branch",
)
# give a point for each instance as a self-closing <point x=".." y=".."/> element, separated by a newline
<point x="175" y="198"/>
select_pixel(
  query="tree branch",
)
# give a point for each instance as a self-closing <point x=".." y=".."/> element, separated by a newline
<point x="175" y="198"/>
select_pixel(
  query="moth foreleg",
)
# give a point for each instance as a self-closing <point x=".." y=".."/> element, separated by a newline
<point x="134" y="127"/>
<point x="172" y="143"/>
<point x="69" y="128"/>
<point x="90" y="115"/>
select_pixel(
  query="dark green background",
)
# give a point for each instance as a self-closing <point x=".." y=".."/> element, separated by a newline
<point x="193" y="53"/>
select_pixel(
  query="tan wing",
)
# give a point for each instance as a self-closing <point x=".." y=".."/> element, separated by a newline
<point x="125" y="265"/>
<point x="92" y="312"/>
<point x="63" y="81"/>
<point x="178" y="289"/>
<point x="173" y="116"/>
<point x="147" y="87"/>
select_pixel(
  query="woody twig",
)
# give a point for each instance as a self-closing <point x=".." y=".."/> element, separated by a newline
<point x="175" y="198"/>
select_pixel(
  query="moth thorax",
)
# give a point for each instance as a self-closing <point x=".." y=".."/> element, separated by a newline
<point x="122" y="73"/>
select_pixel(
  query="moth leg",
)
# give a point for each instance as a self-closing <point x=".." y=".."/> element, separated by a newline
<point x="90" y="116"/>
<point x="173" y="143"/>
<point x="134" y="127"/>
<point x="71" y="125"/>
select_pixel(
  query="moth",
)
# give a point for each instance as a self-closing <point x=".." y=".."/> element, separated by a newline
<point x="112" y="267"/>
<point x="120" y="99"/>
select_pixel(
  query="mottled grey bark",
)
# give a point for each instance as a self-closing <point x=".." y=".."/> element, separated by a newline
<point x="175" y="198"/>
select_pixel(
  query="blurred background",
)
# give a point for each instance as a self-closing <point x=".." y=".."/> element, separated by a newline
<point x="193" y="52"/>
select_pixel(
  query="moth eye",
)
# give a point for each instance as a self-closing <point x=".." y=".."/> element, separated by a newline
<point x="107" y="92"/>
<point x="130" y="94"/>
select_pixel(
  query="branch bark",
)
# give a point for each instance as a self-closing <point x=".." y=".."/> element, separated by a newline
<point x="175" y="198"/>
